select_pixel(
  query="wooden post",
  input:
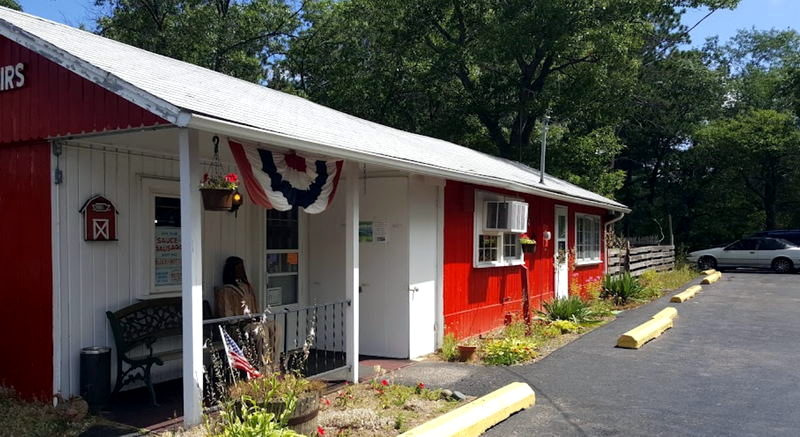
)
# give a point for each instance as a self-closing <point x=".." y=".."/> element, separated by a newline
<point x="192" y="276"/>
<point x="351" y="266"/>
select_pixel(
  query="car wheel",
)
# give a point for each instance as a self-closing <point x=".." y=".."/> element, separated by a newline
<point x="707" y="262"/>
<point x="782" y="265"/>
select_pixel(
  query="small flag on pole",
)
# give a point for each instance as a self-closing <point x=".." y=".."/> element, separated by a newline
<point x="236" y="357"/>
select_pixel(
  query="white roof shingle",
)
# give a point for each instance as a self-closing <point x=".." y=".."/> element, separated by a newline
<point x="173" y="89"/>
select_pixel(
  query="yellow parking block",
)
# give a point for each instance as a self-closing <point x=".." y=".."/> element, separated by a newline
<point x="668" y="312"/>
<point x="686" y="294"/>
<point x="638" y="336"/>
<point x="479" y="415"/>
<point x="708" y="272"/>
<point x="712" y="278"/>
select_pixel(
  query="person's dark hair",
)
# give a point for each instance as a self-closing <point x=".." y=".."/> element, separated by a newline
<point x="229" y="272"/>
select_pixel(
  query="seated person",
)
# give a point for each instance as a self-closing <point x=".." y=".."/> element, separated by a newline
<point x="236" y="298"/>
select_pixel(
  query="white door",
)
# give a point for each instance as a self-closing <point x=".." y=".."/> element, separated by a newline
<point x="424" y="232"/>
<point x="384" y="285"/>
<point x="561" y="253"/>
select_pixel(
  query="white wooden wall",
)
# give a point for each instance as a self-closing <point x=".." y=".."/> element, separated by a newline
<point x="94" y="277"/>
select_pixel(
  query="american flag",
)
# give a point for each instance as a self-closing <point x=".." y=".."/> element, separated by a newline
<point x="236" y="358"/>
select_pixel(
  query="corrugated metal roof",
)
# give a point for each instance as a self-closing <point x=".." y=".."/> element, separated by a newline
<point x="170" y="88"/>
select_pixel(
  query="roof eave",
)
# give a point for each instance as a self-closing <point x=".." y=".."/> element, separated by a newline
<point x="244" y="132"/>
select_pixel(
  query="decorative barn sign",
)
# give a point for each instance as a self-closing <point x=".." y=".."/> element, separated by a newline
<point x="12" y="77"/>
<point x="286" y="180"/>
<point x="99" y="219"/>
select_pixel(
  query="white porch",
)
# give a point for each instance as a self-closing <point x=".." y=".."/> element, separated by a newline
<point x="399" y="279"/>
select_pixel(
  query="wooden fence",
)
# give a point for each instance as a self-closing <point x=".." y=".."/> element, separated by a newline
<point x="638" y="260"/>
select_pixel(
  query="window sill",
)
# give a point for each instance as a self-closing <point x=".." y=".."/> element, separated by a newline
<point x="588" y="262"/>
<point x="498" y="264"/>
<point x="160" y="295"/>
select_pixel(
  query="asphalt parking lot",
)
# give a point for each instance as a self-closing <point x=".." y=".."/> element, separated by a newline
<point x="729" y="367"/>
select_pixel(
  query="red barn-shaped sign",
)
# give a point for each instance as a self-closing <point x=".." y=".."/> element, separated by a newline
<point x="99" y="219"/>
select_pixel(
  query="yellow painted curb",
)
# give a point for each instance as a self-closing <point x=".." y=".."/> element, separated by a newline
<point x="712" y="278"/>
<point x="668" y="312"/>
<point x="638" y="336"/>
<point x="686" y="294"/>
<point x="708" y="272"/>
<point x="479" y="415"/>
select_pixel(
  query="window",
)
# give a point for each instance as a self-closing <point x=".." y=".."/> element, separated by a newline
<point x="772" y="244"/>
<point x="283" y="258"/>
<point x="587" y="239"/>
<point x="495" y="246"/>
<point x="746" y="244"/>
<point x="159" y="268"/>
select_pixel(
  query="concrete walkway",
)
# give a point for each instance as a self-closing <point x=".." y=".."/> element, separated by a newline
<point x="729" y="367"/>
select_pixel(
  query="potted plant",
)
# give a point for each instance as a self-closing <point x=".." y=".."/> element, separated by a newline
<point x="293" y="400"/>
<point x="528" y="244"/>
<point x="218" y="191"/>
<point x="466" y="351"/>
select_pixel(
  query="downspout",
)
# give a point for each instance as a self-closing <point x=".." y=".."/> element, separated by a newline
<point x="605" y="243"/>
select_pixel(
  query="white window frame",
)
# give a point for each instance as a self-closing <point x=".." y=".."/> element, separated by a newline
<point x="302" y="259"/>
<point x="481" y="197"/>
<point x="152" y="188"/>
<point x="595" y="219"/>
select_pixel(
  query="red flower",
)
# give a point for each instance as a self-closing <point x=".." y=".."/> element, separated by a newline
<point x="232" y="178"/>
<point x="421" y="386"/>
<point x="384" y="382"/>
<point x="326" y="401"/>
<point x="205" y="177"/>
<point x="320" y="430"/>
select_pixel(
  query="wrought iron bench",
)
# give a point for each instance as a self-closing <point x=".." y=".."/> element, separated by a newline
<point x="139" y="327"/>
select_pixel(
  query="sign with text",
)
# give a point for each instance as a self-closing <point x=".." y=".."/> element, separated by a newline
<point x="12" y="77"/>
<point x="167" y="256"/>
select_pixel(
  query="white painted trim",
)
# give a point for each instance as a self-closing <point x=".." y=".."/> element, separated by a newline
<point x="588" y="261"/>
<point x="55" y="242"/>
<point x="352" y="266"/>
<point x="223" y="127"/>
<point x="439" y="265"/>
<point x="192" y="277"/>
<point x="556" y="211"/>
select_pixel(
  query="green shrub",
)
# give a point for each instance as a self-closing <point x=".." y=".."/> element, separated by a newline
<point x="449" y="348"/>
<point x="621" y="288"/>
<point x="517" y="329"/>
<point x="570" y="308"/>
<point x="250" y="422"/>
<point x="507" y="351"/>
<point x="566" y="326"/>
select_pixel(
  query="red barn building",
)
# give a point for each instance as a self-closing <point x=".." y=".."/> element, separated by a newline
<point x="421" y="237"/>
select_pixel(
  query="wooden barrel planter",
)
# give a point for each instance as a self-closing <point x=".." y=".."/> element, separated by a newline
<point x="217" y="199"/>
<point x="304" y="417"/>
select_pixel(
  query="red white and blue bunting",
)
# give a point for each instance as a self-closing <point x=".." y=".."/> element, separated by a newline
<point x="285" y="180"/>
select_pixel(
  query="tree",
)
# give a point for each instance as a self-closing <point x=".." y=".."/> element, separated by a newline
<point x="238" y="38"/>
<point x="11" y="4"/>
<point x="761" y="149"/>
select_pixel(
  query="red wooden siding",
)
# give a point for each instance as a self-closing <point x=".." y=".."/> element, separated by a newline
<point x="56" y="102"/>
<point x="477" y="300"/>
<point x="26" y="315"/>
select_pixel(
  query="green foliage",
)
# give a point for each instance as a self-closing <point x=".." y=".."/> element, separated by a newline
<point x="11" y="4"/>
<point x="566" y="326"/>
<point x="239" y="38"/>
<point x="571" y="308"/>
<point x="516" y="329"/>
<point x="249" y="421"/>
<point x="272" y="388"/>
<point x="621" y="288"/>
<point x="449" y="350"/>
<point x="508" y="351"/>
<point x="668" y="280"/>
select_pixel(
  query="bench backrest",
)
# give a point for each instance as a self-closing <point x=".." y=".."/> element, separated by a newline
<point x="144" y="321"/>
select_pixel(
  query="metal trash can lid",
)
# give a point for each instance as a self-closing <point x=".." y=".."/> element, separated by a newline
<point x="95" y="350"/>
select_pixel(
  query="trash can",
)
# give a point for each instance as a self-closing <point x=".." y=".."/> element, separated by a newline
<point x="96" y="376"/>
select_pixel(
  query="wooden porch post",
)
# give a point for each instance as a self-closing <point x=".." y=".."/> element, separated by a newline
<point x="192" y="276"/>
<point x="351" y="266"/>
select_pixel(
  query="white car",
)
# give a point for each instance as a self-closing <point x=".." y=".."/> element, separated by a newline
<point x="777" y="254"/>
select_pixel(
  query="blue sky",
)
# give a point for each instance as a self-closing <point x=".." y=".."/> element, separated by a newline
<point x="761" y="14"/>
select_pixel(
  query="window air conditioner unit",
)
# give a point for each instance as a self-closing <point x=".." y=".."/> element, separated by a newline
<point x="505" y="216"/>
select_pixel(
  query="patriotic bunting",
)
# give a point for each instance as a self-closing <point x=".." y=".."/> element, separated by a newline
<point x="285" y="180"/>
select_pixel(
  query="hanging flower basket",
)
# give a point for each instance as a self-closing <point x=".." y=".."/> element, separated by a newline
<point x="528" y="244"/>
<point x="217" y="199"/>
